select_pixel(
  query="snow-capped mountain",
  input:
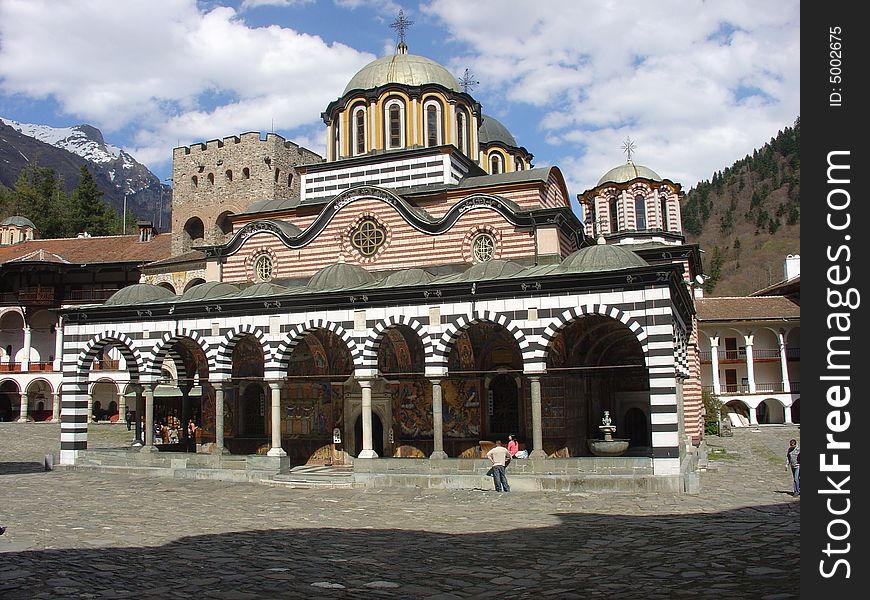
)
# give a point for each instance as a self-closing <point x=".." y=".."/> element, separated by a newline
<point x="116" y="172"/>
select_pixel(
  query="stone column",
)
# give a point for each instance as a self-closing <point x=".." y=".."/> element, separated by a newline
<point x="184" y="434"/>
<point x="28" y="341"/>
<point x="750" y="364"/>
<point x="138" y="421"/>
<point x="714" y="357"/>
<point x="537" y="427"/>
<point x="783" y="365"/>
<point x="276" y="449"/>
<point x="55" y="407"/>
<point x="58" y="345"/>
<point x="368" y="450"/>
<point x="219" y="416"/>
<point x="437" y="422"/>
<point x="149" y="418"/>
<point x="90" y="408"/>
<point x="122" y="408"/>
<point x="753" y="416"/>
<point x="22" y="408"/>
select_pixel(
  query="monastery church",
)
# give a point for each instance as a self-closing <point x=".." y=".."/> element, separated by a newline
<point x="401" y="303"/>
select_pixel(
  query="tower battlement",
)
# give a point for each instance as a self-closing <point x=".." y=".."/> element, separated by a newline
<point x="218" y="178"/>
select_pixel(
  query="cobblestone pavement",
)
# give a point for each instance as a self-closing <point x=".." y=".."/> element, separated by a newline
<point x="82" y="534"/>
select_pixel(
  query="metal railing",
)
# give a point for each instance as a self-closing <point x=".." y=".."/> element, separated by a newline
<point x="757" y="354"/>
<point x="730" y="389"/>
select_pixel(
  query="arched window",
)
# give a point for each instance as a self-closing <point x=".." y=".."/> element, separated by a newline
<point x="289" y="179"/>
<point x="520" y="164"/>
<point x="359" y="130"/>
<point x="614" y="214"/>
<point x="434" y="129"/>
<point x="195" y="181"/>
<point x="395" y="132"/>
<point x="229" y="175"/>
<point x="211" y="178"/>
<point x="277" y="174"/>
<point x="263" y="268"/>
<point x="496" y="165"/>
<point x="640" y="212"/>
<point x="336" y="140"/>
<point x="663" y="210"/>
<point x="246" y="173"/>
<point x="462" y="130"/>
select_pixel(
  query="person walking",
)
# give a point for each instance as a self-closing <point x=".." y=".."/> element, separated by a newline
<point x="128" y="416"/>
<point x="793" y="463"/>
<point x="499" y="457"/>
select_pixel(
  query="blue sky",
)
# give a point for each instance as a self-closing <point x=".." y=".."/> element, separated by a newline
<point x="696" y="85"/>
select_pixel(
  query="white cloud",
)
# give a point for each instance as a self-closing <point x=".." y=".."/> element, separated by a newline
<point x="669" y="74"/>
<point x="257" y="3"/>
<point x="146" y="66"/>
<point x="387" y="7"/>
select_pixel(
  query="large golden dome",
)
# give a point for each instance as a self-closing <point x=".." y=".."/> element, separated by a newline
<point x="402" y="68"/>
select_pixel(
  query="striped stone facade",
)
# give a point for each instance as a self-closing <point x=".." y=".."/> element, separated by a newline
<point x="649" y="313"/>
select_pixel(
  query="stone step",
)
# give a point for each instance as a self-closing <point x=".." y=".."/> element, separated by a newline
<point x="321" y="476"/>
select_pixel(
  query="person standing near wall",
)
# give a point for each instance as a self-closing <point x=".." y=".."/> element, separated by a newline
<point x="499" y="457"/>
<point x="793" y="463"/>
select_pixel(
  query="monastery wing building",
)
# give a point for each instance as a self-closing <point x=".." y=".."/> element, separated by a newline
<point x="421" y="292"/>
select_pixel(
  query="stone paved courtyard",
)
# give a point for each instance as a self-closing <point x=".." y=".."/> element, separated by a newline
<point x="84" y="534"/>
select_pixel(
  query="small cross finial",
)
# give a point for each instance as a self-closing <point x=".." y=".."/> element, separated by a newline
<point x="401" y="25"/>
<point x="628" y="147"/>
<point x="467" y="81"/>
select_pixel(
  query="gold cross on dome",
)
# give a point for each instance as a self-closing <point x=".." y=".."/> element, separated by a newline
<point x="467" y="81"/>
<point x="401" y="25"/>
<point x="628" y="147"/>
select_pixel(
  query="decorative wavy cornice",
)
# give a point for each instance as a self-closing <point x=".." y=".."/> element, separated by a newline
<point x="506" y="208"/>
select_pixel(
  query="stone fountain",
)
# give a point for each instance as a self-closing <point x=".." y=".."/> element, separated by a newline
<point x="609" y="446"/>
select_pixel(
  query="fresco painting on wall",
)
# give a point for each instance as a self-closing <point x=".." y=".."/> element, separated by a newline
<point x="462" y="356"/>
<point x="461" y="408"/>
<point x="412" y="409"/>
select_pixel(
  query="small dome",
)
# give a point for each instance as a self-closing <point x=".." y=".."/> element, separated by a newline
<point x="264" y="289"/>
<point x="139" y="293"/>
<point x="408" y="277"/>
<point x="340" y="276"/>
<point x="627" y="172"/>
<point x="492" y="269"/>
<point x="18" y="221"/>
<point x="405" y="69"/>
<point x="492" y="130"/>
<point x="209" y="289"/>
<point x="603" y="257"/>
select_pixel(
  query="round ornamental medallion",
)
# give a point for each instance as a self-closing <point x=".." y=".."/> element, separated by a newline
<point x="263" y="268"/>
<point x="483" y="247"/>
<point x="368" y="237"/>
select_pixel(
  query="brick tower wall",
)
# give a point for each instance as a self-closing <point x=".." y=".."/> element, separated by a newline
<point x="210" y="181"/>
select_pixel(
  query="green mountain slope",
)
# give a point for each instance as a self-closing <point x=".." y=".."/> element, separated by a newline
<point x="746" y="218"/>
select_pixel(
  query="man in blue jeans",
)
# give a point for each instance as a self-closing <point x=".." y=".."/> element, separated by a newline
<point x="499" y="457"/>
<point x="793" y="462"/>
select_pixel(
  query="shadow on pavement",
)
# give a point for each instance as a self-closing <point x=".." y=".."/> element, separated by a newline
<point x="584" y="556"/>
<point x="17" y="468"/>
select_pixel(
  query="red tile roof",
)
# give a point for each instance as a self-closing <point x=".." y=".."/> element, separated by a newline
<point x="747" y="308"/>
<point x="91" y="250"/>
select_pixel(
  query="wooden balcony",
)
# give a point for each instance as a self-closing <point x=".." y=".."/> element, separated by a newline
<point x="90" y="295"/>
<point x="36" y="295"/>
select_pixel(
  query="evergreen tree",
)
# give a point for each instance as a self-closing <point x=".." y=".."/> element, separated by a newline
<point x="87" y="211"/>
